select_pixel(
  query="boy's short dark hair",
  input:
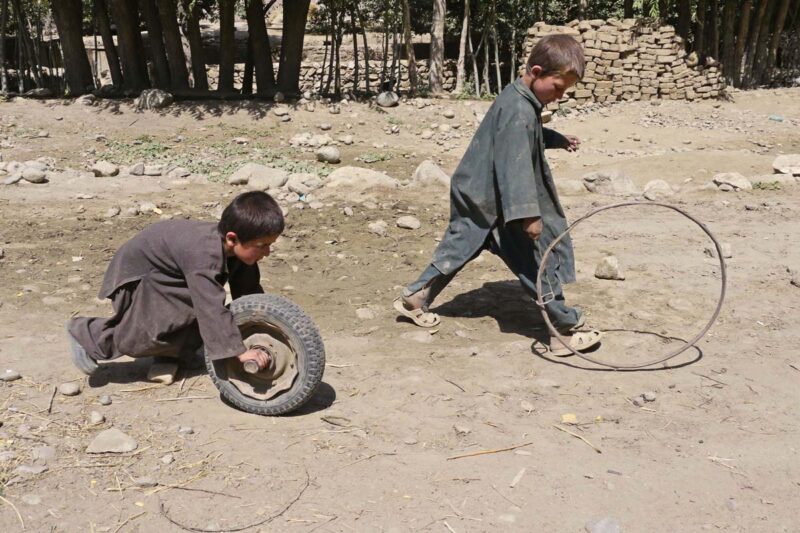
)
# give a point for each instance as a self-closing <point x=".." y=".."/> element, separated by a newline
<point x="252" y="215"/>
<point x="558" y="54"/>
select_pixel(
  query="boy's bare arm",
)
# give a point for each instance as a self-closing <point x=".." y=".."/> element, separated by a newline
<point x="554" y="139"/>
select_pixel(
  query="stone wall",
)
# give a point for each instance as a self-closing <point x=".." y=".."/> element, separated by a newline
<point x="629" y="61"/>
<point x="312" y="72"/>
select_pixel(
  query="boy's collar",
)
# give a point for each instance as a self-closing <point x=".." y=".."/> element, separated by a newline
<point x="526" y="92"/>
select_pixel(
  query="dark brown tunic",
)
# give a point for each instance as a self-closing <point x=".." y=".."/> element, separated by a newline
<point x="167" y="286"/>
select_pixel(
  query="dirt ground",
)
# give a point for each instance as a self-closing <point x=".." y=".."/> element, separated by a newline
<point x="374" y="450"/>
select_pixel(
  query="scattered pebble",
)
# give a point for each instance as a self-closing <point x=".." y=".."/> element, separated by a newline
<point x="105" y="399"/>
<point x="145" y="482"/>
<point x="96" y="418"/>
<point x="112" y="441"/>
<point x="602" y="525"/>
<point x="410" y="441"/>
<point x="608" y="268"/>
<point x="365" y="313"/>
<point x="168" y="459"/>
<point x="185" y="430"/>
<point x="649" y="396"/>
<point x="408" y="222"/>
<point x="10" y="375"/>
<point x="69" y="389"/>
<point x="379" y="227"/>
<point x="348" y="211"/>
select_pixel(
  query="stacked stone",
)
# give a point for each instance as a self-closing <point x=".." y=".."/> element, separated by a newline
<point x="629" y="61"/>
<point x="312" y="72"/>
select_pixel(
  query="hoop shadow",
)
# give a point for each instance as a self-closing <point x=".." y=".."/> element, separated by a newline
<point x="323" y="398"/>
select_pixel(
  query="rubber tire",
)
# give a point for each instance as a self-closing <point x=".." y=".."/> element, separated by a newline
<point x="305" y="338"/>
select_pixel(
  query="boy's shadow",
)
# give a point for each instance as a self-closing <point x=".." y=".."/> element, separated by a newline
<point x="515" y="312"/>
<point x="135" y="371"/>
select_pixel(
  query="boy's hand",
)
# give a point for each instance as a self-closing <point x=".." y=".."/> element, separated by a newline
<point x="261" y="358"/>
<point x="533" y="227"/>
<point x="573" y="143"/>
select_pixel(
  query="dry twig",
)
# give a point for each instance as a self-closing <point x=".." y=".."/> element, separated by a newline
<point x="486" y="452"/>
<point x="15" y="510"/>
<point x="565" y="430"/>
<point x="133" y="517"/>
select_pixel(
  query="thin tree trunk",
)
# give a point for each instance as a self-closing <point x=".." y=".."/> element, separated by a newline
<point x="700" y="29"/>
<point x="627" y="9"/>
<point x="385" y="60"/>
<point x="728" y="36"/>
<point x="337" y="45"/>
<point x="485" y="40"/>
<point x="227" y="44"/>
<point x="762" y="50"/>
<point x="68" y="16"/>
<point x="436" y="66"/>
<point x="354" y="31"/>
<point x="461" y="71"/>
<point x="247" y="79"/>
<point x="192" y="24"/>
<point x="322" y="76"/>
<point x="684" y="18"/>
<point x="134" y="69"/>
<point x="3" y="21"/>
<point x="412" y="61"/>
<point x="476" y="76"/>
<point x="512" y="74"/>
<point x="780" y="21"/>
<point x="741" y="39"/>
<point x="713" y="49"/>
<point x="295" y="14"/>
<point x="496" y="51"/>
<point x="27" y="44"/>
<point x="178" y="73"/>
<point x="155" y="34"/>
<point x="262" y="51"/>
<point x="582" y="7"/>
<point x="752" y="43"/>
<point x="365" y="46"/>
<point x="104" y="25"/>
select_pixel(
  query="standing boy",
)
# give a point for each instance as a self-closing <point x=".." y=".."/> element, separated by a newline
<point x="167" y="288"/>
<point x="503" y="198"/>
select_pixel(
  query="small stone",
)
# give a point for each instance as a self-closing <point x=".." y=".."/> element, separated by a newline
<point x="31" y="499"/>
<point x="348" y="211"/>
<point x="379" y="227"/>
<point x="105" y="168"/>
<point x="328" y="154"/>
<point x="657" y="189"/>
<point x="132" y="211"/>
<point x="112" y="212"/>
<point x="185" y="430"/>
<point x="43" y="455"/>
<point x="649" y="396"/>
<point x="69" y="389"/>
<point x="410" y="441"/>
<point x="429" y="172"/>
<point x="178" y="172"/>
<point x="448" y="113"/>
<point x="286" y="118"/>
<point x="325" y="126"/>
<point x="387" y="99"/>
<point x="279" y="97"/>
<point x="346" y="140"/>
<point x="34" y="175"/>
<point x="365" y="313"/>
<point x="787" y="164"/>
<point x="426" y="134"/>
<point x="638" y="401"/>
<point x="10" y="375"/>
<point x="147" y="207"/>
<point x="281" y="111"/>
<point x="731" y="504"/>
<point x="608" y="268"/>
<point x="154" y="99"/>
<point x="727" y="252"/>
<point x="602" y="525"/>
<point x="96" y="418"/>
<point x="137" y="169"/>
<point x="612" y="182"/>
<point x="732" y="181"/>
<point x="145" y="482"/>
<point x="462" y="430"/>
<point x="105" y="399"/>
<point x="408" y="222"/>
<point x="168" y="459"/>
<point x="112" y="441"/>
<point x="259" y="177"/>
<point x="28" y="470"/>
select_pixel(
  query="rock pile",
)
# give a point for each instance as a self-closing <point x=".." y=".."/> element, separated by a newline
<point x="629" y="61"/>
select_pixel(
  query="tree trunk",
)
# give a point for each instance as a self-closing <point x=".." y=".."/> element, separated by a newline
<point x="752" y="42"/>
<point x="728" y="35"/>
<point x="247" y="79"/>
<point x="760" y="57"/>
<point x="337" y="45"/>
<point x="582" y="7"/>
<point x="68" y="16"/>
<point x="192" y="26"/>
<point x="700" y="29"/>
<point x="3" y="73"/>
<point x="354" y="32"/>
<point x="179" y="75"/>
<point x="436" y="66"/>
<point x="713" y="24"/>
<point x="365" y="46"/>
<point x="461" y="71"/>
<point x="295" y="14"/>
<point x="496" y="51"/>
<point x="27" y="44"/>
<point x="512" y="75"/>
<point x="134" y="69"/>
<point x="741" y="39"/>
<point x="412" y="61"/>
<point x="780" y="21"/>
<point x="227" y="44"/>
<point x="262" y="51"/>
<point x="485" y="40"/>
<point x="627" y="9"/>
<point x="104" y="25"/>
<point x="475" y="74"/>
<point x="155" y="34"/>
<point x="684" y="18"/>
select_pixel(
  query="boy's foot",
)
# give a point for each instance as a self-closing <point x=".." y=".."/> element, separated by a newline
<point x="580" y="341"/>
<point x="421" y="318"/>
<point x="163" y="370"/>
<point x="80" y="358"/>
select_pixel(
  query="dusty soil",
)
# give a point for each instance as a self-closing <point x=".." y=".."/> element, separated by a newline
<point x="374" y="450"/>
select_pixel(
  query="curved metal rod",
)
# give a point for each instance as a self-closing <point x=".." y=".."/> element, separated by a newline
<point x="554" y="333"/>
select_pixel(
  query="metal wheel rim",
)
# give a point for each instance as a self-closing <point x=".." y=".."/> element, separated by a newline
<point x="265" y="385"/>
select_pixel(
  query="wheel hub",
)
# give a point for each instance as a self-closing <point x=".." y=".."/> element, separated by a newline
<point x="278" y="377"/>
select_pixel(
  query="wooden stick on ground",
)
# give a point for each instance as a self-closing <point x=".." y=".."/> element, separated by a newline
<point x="52" y="397"/>
<point x="133" y="517"/>
<point x="565" y="430"/>
<point x="15" y="510"/>
<point x="486" y="452"/>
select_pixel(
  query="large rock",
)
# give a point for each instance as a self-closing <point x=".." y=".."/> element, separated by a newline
<point x="408" y="222"/>
<point x="105" y="168"/>
<point x="34" y="175"/>
<point x="154" y="99"/>
<point x="768" y="181"/>
<point x="329" y="154"/>
<point x="657" y="190"/>
<point x="429" y="172"/>
<point x="303" y="183"/>
<point x="787" y="164"/>
<point x="608" y="268"/>
<point x="728" y="181"/>
<point x="387" y="99"/>
<point x="359" y="178"/>
<point x="259" y="177"/>
<point x="611" y="182"/>
<point x="112" y="441"/>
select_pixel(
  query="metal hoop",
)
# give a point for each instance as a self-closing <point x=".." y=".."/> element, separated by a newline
<point x="554" y="333"/>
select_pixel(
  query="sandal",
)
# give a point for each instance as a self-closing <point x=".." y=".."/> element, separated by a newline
<point x="581" y="341"/>
<point x="421" y="318"/>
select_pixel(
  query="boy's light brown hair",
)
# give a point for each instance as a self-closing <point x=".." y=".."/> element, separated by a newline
<point x="558" y="54"/>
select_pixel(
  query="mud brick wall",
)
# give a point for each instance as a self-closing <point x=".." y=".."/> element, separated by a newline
<point x="629" y="61"/>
